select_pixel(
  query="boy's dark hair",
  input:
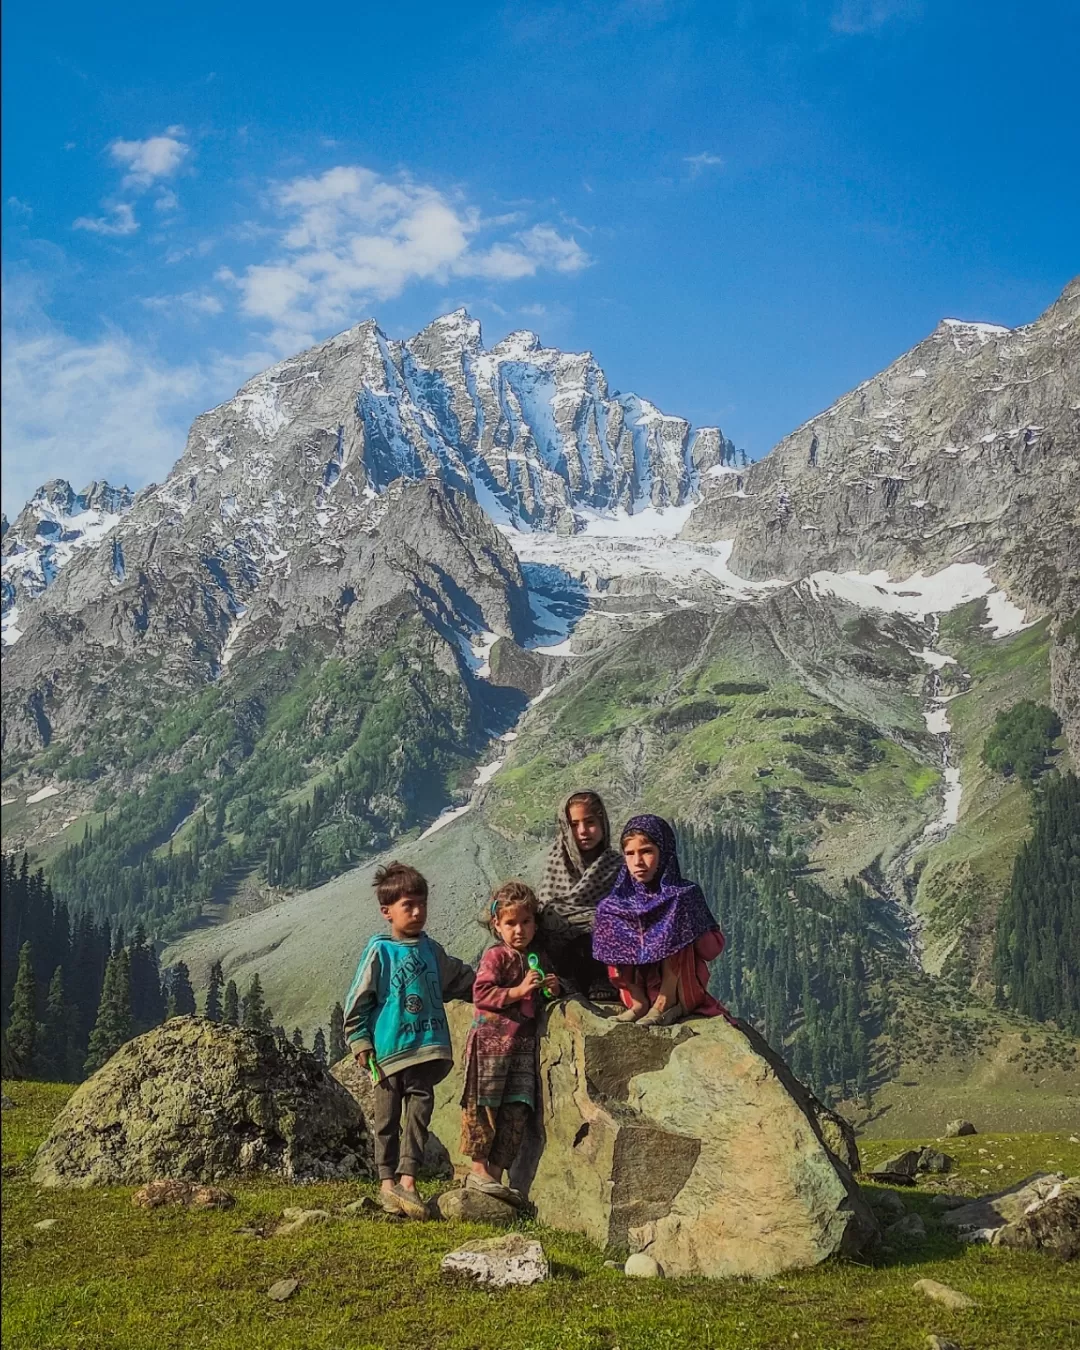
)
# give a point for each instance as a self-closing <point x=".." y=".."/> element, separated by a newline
<point x="397" y="879"/>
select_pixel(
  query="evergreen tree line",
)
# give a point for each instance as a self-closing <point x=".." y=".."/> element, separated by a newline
<point x="1021" y="740"/>
<point x="73" y="991"/>
<point x="1037" y="943"/>
<point x="799" y="962"/>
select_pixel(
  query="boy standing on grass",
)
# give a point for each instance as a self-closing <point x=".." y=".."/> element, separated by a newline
<point x="395" y="1024"/>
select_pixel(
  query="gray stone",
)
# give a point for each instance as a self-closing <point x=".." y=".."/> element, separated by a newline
<point x="933" y="1160"/>
<point x="199" y="1101"/>
<point x="642" y="1266"/>
<point x="957" y="1128"/>
<point x="942" y="1202"/>
<point x="6" y="1104"/>
<point x="1001" y="1207"/>
<point x="280" y="1290"/>
<point x="940" y="1343"/>
<point x="1051" y="1224"/>
<point x="365" y="1206"/>
<point x="943" y="1294"/>
<point x="465" y="1206"/>
<point x="693" y="1143"/>
<point x="887" y="1203"/>
<point x="900" y="1165"/>
<point x="908" y="1229"/>
<point x="43" y="1225"/>
<point x="499" y="1262"/>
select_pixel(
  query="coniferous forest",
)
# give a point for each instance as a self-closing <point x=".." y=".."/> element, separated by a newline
<point x="1037" y="952"/>
<point x="73" y="989"/>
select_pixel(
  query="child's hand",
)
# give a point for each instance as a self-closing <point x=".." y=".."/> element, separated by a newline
<point x="551" y="984"/>
<point x="531" y="982"/>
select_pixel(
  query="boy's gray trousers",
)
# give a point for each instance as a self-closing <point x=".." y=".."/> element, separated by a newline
<point x="399" y="1146"/>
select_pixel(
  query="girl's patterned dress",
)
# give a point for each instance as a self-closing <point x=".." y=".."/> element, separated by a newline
<point x="502" y="1072"/>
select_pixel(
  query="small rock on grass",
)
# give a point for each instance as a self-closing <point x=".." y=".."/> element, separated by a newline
<point x="940" y="1343"/>
<point x="43" y="1225"/>
<point x="933" y="1160"/>
<point x="642" y="1266"/>
<point x="280" y="1290"/>
<point x="613" y="1265"/>
<point x="167" y="1191"/>
<point x="941" y="1293"/>
<point x="887" y="1203"/>
<point x="957" y="1128"/>
<point x="6" y="1104"/>
<point x="301" y="1218"/>
<point x="499" y="1262"/>
<point x="949" y="1201"/>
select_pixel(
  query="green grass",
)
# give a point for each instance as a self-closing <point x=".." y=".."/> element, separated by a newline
<point x="110" y="1275"/>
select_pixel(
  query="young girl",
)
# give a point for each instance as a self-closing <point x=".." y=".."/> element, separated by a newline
<point x="501" y="1059"/>
<point x="656" y="931"/>
<point x="581" y="868"/>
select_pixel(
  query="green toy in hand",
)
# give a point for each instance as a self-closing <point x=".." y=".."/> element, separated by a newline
<point x="534" y="964"/>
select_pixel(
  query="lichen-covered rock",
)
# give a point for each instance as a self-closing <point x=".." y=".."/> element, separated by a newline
<point x="168" y="1191"/>
<point x="355" y="1079"/>
<point x="195" y="1100"/>
<point x="464" y="1206"/>
<point x="933" y="1160"/>
<point x="693" y="1143"/>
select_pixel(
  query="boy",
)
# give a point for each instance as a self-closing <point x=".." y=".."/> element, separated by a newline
<point x="396" y="1025"/>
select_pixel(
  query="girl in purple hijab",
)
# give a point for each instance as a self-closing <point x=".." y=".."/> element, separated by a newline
<point x="655" y="931"/>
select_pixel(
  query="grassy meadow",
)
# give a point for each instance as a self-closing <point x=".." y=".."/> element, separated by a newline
<point x="110" y="1275"/>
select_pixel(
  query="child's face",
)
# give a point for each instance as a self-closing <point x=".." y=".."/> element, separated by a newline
<point x="516" y="925"/>
<point x="407" y="916"/>
<point x="642" y="858"/>
<point x="586" y="826"/>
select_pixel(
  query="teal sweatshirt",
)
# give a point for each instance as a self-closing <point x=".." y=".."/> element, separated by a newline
<point x="395" y="1004"/>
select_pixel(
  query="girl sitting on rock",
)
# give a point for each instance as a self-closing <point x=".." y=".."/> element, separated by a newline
<point x="581" y="868"/>
<point x="656" y="932"/>
<point x="501" y="1055"/>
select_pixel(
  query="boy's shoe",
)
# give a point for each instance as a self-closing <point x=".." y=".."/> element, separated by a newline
<point x="475" y="1182"/>
<point x="410" y="1203"/>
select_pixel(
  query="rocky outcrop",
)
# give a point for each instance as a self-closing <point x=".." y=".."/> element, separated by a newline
<point x="195" y="1100"/>
<point x="988" y="1213"/>
<point x="967" y="448"/>
<point x="1051" y="1224"/>
<point x="691" y="1143"/>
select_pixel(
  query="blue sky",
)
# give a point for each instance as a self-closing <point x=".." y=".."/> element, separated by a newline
<point x="742" y="208"/>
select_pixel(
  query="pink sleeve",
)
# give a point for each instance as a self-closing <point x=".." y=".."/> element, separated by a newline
<point x="494" y="980"/>
<point x="710" y="945"/>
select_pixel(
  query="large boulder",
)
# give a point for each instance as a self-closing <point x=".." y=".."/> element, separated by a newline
<point x="693" y="1143"/>
<point x="199" y="1101"/>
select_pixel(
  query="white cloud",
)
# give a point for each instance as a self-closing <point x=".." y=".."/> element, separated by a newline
<point x="193" y="302"/>
<point x="166" y="200"/>
<point x="703" y="161"/>
<point x="122" y="221"/>
<point x="83" y="410"/>
<point x="351" y="236"/>
<point x="19" y="209"/>
<point x="156" y="157"/>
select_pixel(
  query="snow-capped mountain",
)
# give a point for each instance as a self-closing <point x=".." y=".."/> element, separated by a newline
<point x="52" y="526"/>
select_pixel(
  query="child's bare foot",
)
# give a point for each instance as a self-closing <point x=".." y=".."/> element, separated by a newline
<point x="662" y="1014"/>
<point x="634" y="1014"/>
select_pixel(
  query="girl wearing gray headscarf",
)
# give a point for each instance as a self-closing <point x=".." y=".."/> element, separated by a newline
<point x="580" y="870"/>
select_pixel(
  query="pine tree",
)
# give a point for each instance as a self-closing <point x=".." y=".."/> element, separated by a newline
<point x="337" y="1049"/>
<point x="181" y="994"/>
<point x="54" y="1052"/>
<point x="281" y="1037"/>
<point x="318" y="1046"/>
<point x="23" y="1028"/>
<point x="298" y="1038"/>
<point x="230" y="1012"/>
<point x="254" y="1011"/>
<point x="212" y="1009"/>
<point x="147" y="1004"/>
<point x="113" y="1025"/>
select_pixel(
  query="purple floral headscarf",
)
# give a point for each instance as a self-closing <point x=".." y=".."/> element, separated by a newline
<point x="638" y="925"/>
